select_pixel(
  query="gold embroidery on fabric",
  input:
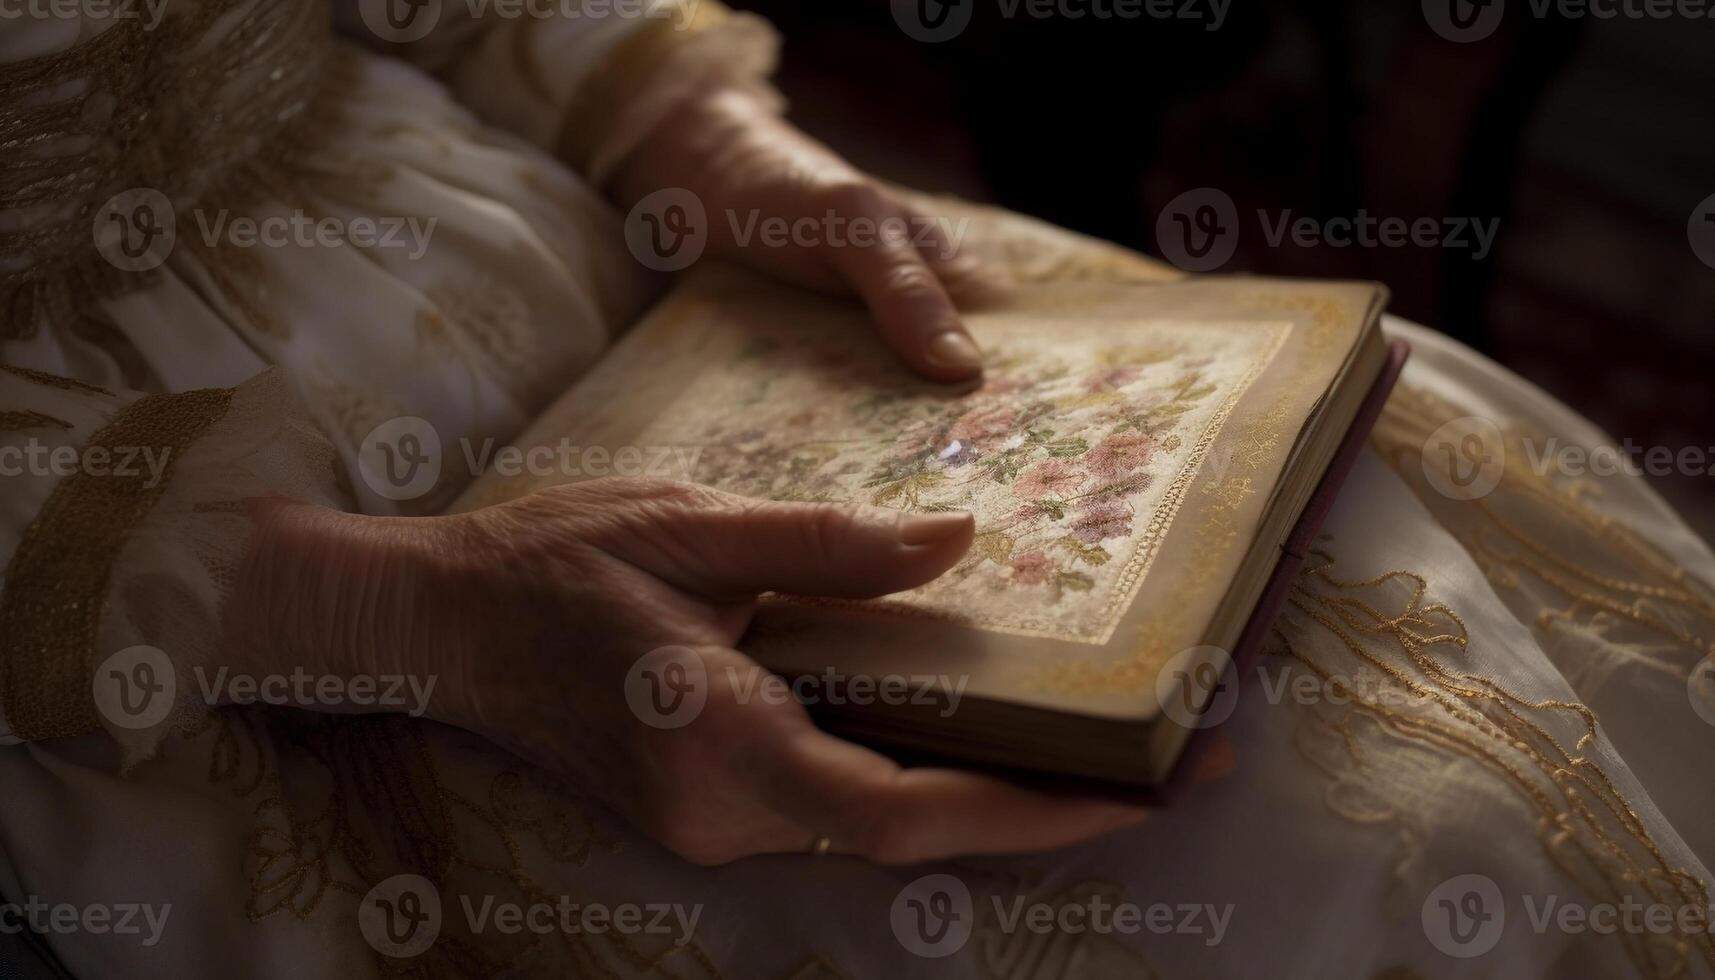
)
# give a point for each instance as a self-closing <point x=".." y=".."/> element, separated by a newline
<point x="247" y="79"/>
<point x="1586" y="826"/>
<point x="343" y="802"/>
<point x="20" y="420"/>
<point x="55" y="381"/>
<point x="134" y="371"/>
<point x="56" y="582"/>
<point x="1645" y="589"/>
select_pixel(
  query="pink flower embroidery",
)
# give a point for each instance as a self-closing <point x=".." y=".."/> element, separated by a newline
<point x="1119" y="454"/>
<point x="1102" y="520"/>
<point x="1031" y="568"/>
<point x="982" y="425"/>
<point x="1111" y="379"/>
<point x="1049" y="478"/>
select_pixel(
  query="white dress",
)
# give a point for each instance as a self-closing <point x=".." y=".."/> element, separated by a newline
<point x="1523" y="701"/>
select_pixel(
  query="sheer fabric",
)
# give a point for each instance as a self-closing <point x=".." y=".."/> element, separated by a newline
<point x="1503" y="687"/>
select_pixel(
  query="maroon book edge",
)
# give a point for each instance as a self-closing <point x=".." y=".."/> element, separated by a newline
<point x="1249" y="648"/>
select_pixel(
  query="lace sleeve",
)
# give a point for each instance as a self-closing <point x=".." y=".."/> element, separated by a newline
<point x="588" y="84"/>
<point x="122" y="522"/>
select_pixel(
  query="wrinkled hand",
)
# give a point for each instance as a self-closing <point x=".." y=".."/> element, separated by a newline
<point x="749" y="168"/>
<point x="532" y="614"/>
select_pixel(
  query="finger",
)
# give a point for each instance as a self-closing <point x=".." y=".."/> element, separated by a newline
<point x="911" y="307"/>
<point x="722" y="546"/>
<point x="867" y="805"/>
<point x="970" y="281"/>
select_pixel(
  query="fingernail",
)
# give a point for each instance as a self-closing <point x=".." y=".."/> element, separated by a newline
<point x="953" y="349"/>
<point x="918" y="529"/>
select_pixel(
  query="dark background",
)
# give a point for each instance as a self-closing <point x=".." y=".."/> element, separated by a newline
<point x="1593" y="141"/>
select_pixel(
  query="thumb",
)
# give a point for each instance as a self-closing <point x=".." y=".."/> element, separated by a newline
<point x="721" y="545"/>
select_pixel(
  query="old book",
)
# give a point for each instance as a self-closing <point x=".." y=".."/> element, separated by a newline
<point x="1137" y="458"/>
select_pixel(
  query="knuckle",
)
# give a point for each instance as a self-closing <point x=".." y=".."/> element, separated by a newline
<point x="883" y="838"/>
<point x="853" y="197"/>
<point x="913" y="279"/>
<point x="824" y="531"/>
<point x="656" y="495"/>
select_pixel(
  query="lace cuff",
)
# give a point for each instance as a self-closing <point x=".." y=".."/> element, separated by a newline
<point x="122" y="538"/>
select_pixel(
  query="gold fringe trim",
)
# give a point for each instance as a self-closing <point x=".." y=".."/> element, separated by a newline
<point x="57" y="581"/>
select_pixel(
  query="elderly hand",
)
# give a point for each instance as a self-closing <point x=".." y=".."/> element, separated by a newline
<point x="532" y="616"/>
<point x="752" y="170"/>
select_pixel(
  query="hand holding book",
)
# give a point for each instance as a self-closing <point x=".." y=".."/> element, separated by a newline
<point x="532" y="612"/>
